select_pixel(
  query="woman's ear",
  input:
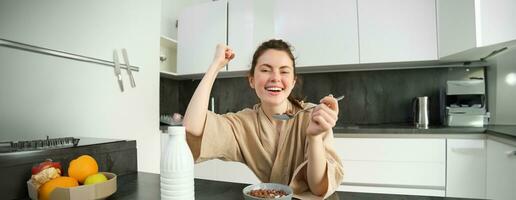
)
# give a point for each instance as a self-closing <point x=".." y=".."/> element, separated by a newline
<point x="251" y="81"/>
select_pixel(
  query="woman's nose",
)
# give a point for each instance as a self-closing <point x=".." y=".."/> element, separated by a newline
<point x="275" y="77"/>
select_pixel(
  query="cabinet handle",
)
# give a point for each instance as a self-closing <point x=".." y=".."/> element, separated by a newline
<point x="511" y="153"/>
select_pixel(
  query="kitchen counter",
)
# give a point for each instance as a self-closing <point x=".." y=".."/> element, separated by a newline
<point x="405" y="129"/>
<point x="146" y="186"/>
<point x="505" y="131"/>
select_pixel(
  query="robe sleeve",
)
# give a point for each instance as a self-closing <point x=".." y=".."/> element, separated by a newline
<point x="218" y="140"/>
<point x="334" y="172"/>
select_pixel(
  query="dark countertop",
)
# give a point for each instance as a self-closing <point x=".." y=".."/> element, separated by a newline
<point x="507" y="131"/>
<point x="405" y="128"/>
<point x="146" y="186"/>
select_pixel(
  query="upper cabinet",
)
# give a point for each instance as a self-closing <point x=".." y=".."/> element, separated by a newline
<point x="337" y="33"/>
<point x="473" y="29"/>
<point x="328" y="37"/>
<point x="323" y="32"/>
<point x="201" y="28"/>
<point x="397" y="30"/>
<point x="168" y="56"/>
<point x="250" y="22"/>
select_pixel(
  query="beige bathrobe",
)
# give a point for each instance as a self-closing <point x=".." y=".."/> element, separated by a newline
<point x="249" y="137"/>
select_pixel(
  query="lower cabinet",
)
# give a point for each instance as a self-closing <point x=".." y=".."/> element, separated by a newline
<point x="410" y="166"/>
<point x="501" y="171"/>
<point x="225" y="171"/>
<point x="466" y="168"/>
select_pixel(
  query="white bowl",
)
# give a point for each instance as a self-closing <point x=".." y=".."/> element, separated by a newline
<point x="275" y="186"/>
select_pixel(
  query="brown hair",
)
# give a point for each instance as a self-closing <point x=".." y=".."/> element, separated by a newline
<point x="280" y="45"/>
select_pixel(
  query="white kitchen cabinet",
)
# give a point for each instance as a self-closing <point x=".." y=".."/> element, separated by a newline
<point x="168" y="56"/>
<point x="465" y="168"/>
<point x="322" y="32"/>
<point x="250" y="22"/>
<point x="495" y="21"/>
<point x="225" y="171"/>
<point x="201" y="28"/>
<point x="473" y="29"/>
<point x="393" y="165"/>
<point x="397" y="30"/>
<point x="501" y="170"/>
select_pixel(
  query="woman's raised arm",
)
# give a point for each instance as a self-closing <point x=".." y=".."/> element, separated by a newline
<point x="195" y="115"/>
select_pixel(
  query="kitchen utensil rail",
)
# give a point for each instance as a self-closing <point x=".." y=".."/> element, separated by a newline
<point x="62" y="54"/>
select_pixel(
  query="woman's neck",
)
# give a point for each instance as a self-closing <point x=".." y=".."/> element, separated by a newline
<point x="271" y="110"/>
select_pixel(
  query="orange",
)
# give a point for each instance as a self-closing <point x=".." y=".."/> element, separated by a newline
<point x="48" y="187"/>
<point x="82" y="167"/>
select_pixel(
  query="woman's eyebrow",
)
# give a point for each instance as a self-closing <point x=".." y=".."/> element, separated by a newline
<point x="266" y="65"/>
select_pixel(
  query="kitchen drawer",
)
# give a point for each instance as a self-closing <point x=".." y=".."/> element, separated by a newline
<point x="395" y="174"/>
<point x="393" y="162"/>
<point x="225" y="171"/>
<point x="391" y="149"/>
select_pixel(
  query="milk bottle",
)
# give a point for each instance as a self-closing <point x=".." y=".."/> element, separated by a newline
<point x="177" y="165"/>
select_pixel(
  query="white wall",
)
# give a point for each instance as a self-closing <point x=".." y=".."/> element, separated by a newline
<point x="502" y="88"/>
<point x="43" y="95"/>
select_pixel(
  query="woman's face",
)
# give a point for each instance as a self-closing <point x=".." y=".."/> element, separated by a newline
<point x="273" y="78"/>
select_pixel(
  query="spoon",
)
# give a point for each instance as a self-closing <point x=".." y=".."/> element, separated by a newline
<point x="286" y="116"/>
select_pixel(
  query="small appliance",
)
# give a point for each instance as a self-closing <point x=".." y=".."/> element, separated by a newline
<point x="420" y="110"/>
<point x="466" y="103"/>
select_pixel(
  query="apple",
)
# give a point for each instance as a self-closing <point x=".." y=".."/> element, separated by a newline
<point x="44" y="165"/>
<point x="95" y="178"/>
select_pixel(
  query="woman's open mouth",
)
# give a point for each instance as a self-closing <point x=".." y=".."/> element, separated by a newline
<point x="274" y="90"/>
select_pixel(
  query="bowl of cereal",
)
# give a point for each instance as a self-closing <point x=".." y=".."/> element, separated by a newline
<point x="262" y="191"/>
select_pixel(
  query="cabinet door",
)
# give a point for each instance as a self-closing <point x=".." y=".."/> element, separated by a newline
<point x="495" y="21"/>
<point x="225" y="171"/>
<point x="250" y="22"/>
<point x="322" y="32"/>
<point x="201" y="28"/>
<point x="465" y="168"/>
<point x="397" y="30"/>
<point x="501" y="167"/>
<point x="393" y="162"/>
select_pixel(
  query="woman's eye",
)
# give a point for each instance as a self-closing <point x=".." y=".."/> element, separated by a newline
<point x="264" y="70"/>
<point x="285" y="72"/>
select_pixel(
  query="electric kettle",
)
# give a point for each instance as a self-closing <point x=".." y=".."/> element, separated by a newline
<point x="420" y="111"/>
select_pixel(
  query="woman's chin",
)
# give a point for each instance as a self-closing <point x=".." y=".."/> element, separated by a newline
<point x="275" y="101"/>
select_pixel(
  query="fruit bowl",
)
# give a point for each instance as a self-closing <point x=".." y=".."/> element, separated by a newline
<point x="82" y="192"/>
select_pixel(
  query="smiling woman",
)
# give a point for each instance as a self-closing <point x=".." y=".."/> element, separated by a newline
<point x="273" y="72"/>
<point x="296" y="152"/>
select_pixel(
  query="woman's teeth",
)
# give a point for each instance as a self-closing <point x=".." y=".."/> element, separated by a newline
<point x="274" y="89"/>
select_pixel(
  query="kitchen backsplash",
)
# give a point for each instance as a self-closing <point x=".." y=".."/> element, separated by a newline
<point x="372" y="97"/>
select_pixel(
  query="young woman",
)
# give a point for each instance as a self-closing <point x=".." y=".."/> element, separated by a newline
<point x="297" y="152"/>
